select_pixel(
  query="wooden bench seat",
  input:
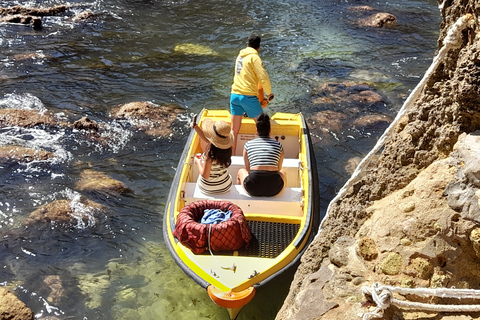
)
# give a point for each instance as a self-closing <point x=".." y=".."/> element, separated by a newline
<point x="286" y="203"/>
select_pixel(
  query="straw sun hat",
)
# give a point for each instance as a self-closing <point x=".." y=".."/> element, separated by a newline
<point x="218" y="133"/>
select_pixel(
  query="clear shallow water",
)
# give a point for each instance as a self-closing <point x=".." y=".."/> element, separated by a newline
<point x="118" y="267"/>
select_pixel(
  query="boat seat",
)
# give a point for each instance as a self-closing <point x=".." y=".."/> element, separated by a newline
<point x="287" y="203"/>
<point x="290" y="165"/>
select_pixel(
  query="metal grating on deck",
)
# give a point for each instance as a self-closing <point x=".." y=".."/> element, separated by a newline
<point x="269" y="239"/>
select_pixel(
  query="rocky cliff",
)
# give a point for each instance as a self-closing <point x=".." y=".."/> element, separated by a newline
<point x="410" y="215"/>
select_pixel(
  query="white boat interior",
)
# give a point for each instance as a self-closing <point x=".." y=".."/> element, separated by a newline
<point x="289" y="202"/>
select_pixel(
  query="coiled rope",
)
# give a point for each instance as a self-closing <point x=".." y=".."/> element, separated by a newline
<point x="453" y="40"/>
<point x="383" y="297"/>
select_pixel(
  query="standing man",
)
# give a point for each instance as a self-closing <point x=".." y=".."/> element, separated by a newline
<point x="249" y="76"/>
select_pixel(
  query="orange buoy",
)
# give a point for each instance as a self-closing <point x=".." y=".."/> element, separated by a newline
<point x="231" y="299"/>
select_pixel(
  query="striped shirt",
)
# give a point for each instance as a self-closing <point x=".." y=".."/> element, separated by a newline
<point x="263" y="151"/>
<point x="218" y="182"/>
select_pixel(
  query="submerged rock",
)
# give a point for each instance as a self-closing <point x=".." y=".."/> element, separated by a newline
<point x="57" y="291"/>
<point x="373" y="121"/>
<point x="22" y="154"/>
<point x="32" y="16"/>
<point x="84" y="16"/>
<point x="35" y="22"/>
<point x="27" y="118"/>
<point x="154" y="120"/>
<point x="194" y="49"/>
<point x="66" y="213"/>
<point x="33" y="56"/>
<point x="41" y="12"/>
<point x="360" y="8"/>
<point x="347" y="94"/>
<point x="379" y="20"/>
<point x="327" y="120"/>
<point x="99" y="182"/>
<point x="86" y="124"/>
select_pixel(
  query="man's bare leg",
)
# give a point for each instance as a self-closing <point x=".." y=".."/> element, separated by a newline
<point x="236" y="124"/>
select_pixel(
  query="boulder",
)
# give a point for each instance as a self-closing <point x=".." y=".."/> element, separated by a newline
<point x="379" y="20"/>
<point x="328" y="120"/>
<point x="26" y="118"/>
<point x="99" y="182"/>
<point x="21" y="154"/>
<point x="348" y="94"/>
<point x="154" y="120"/>
<point x="35" y="22"/>
<point x="378" y="122"/>
<point x="12" y="308"/>
<point x="40" y="12"/>
<point x="56" y="289"/>
<point x="83" y="16"/>
<point x="66" y="213"/>
<point x="86" y="124"/>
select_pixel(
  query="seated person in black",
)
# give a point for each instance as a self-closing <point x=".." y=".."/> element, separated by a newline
<point x="263" y="175"/>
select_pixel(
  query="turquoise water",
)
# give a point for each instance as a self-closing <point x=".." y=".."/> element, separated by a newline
<point x="181" y="53"/>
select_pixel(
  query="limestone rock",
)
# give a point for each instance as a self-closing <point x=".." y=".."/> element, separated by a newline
<point x="194" y="49"/>
<point x="373" y="121"/>
<point x="339" y="252"/>
<point x="154" y="120"/>
<point x="463" y="193"/>
<point x="22" y="154"/>
<point x="26" y="118"/>
<point x="35" y="22"/>
<point x="83" y="16"/>
<point x="420" y="267"/>
<point x="65" y="213"/>
<point x="86" y="123"/>
<point x="379" y="20"/>
<point x="475" y="238"/>
<point x="311" y="300"/>
<point x="419" y="199"/>
<point x="392" y="264"/>
<point x="330" y="120"/>
<point x="50" y="11"/>
<point x="367" y="249"/>
<point x="56" y="289"/>
<point x="99" y="182"/>
<point x="12" y="308"/>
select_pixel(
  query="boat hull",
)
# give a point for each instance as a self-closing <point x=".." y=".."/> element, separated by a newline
<point x="232" y="278"/>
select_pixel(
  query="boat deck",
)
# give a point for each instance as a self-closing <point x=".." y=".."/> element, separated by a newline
<point x="269" y="239"/>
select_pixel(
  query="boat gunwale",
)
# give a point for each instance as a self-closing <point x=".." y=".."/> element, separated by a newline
<point x="305" y="234"/>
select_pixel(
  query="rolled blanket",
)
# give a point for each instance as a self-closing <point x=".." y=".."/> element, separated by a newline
<point x="214" y="216"/>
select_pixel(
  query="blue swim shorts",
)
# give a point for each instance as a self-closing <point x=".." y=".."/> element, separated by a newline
<point x="240" y="104"/>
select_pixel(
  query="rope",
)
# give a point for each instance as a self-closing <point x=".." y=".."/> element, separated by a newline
<point x="383" y="297"/>
<point x="212" y="272"/>
<point x="453" y="40"/>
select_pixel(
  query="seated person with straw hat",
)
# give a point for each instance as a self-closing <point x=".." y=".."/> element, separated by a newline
<point x="216" y="140"/>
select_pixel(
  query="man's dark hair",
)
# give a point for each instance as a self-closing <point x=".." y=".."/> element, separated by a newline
<point x="254" y="41"/>
<point x="263" y="125"/>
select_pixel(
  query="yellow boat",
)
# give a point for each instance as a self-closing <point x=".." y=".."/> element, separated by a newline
<point x="281" y="226"/>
